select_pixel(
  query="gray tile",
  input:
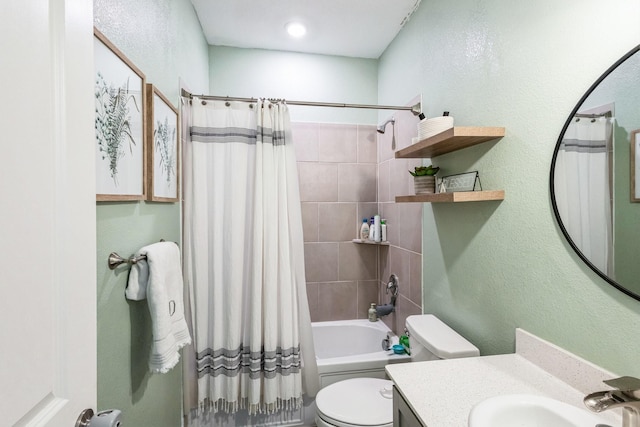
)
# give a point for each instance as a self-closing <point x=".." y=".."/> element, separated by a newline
<point x="404" y="309"/>
<point x="338" y="222"/>
<point x="321" y="262"/>
<point x="318" y="182"/>
<point x="367" y="294"/>
<point x="357" y="261"/>
<point x="383" y="182"/>
<point x="305" y="141"/>
<point x="310" y="221"/>
<point x="367" y="144"/>
<point x="367" y="210"/>
<point x="338" y="143"/>
<point x="389" y="211"/>
<point x="357" y="182"/>
<point x="337" y="301"/>
<point x="312" y="297"/>
<point x="410" y="226"/>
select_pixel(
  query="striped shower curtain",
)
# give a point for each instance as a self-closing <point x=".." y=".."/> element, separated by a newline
<point x="583" y="189"/>
<point x="244" y="261"/>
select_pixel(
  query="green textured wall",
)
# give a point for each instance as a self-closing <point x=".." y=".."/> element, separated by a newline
<point x="163" y="38"/>
<point x="491" y="267"/>
<point x="300" y="77"/>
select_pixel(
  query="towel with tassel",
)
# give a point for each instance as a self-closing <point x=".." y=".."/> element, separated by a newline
<point x="158" y="279"/>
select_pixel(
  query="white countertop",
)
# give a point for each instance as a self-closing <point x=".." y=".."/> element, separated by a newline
<point x="442" y="392"/>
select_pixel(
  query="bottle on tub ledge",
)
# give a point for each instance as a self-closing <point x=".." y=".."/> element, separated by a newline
<point x="373" y="315"/>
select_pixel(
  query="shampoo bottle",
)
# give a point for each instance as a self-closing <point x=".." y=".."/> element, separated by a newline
<point x="364" y="229"/>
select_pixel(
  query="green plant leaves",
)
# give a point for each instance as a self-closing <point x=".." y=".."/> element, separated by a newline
<point x="424" y="171"/>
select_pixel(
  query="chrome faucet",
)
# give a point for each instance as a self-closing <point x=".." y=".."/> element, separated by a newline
<point x="392" y="286"/>
<point x="626" y="396"/>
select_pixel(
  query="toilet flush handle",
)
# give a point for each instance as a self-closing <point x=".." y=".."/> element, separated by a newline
<point x="387" y="392"/>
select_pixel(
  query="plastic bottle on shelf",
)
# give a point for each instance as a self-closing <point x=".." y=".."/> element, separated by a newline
<point x="376" y="227"/>
<point x="364" y="229"/>
<point x="372" y="230"/>
<point x="383" y="230"/>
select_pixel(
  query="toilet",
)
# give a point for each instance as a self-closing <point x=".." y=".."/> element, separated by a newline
<point x="367" y="402"/>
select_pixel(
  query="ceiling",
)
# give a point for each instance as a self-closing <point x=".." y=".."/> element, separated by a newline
<point x="356" y="28"/>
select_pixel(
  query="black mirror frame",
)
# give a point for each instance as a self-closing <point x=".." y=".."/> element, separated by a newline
<point x="552" y="177"/>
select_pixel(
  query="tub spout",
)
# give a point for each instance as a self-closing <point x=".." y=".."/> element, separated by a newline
<point x="384" y="310"/>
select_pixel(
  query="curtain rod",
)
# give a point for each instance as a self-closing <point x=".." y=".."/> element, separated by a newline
<point x="415" y="109"/>
<point x="595" y="116"/>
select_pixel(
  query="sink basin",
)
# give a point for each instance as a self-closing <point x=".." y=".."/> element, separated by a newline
<point x="524" y="410"/>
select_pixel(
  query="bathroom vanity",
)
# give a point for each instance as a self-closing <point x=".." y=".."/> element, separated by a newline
<point x="442" y="393"/>
<point x="403" y="415"/>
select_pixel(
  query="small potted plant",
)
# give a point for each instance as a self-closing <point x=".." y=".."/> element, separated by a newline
<point x="424" y="179"/>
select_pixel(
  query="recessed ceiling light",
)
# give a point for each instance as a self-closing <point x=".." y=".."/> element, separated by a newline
<point x="296" y="29"/>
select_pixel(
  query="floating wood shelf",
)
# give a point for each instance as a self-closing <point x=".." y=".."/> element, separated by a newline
<point x="452" y="139"/>
<point x="461" y="196"/>
<point x="369" y="242"/>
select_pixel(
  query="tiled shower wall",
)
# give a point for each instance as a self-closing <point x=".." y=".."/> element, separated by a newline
<point x="337" y="167"/>
<point x="404" y="255"/>
<point x="344" y="173"/>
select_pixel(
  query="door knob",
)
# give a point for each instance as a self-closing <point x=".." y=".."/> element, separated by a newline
<point x="108" y="418"/>
<point x="85" y="418"/>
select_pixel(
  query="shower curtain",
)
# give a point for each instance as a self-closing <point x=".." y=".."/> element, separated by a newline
<point x="244" y="261"/>
<point x="583" y="189"/>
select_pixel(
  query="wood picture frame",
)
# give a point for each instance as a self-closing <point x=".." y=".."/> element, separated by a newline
<point x="163" y="148"/>
<point x="119" y="124"/>
<point x="634" y="173"/>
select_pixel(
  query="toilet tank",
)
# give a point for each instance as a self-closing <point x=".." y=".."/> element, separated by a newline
<point x="431" y="339"/>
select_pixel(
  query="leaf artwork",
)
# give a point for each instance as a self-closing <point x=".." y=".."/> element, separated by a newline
<point x="113" y="118"/>
<point x="163" y="138"/>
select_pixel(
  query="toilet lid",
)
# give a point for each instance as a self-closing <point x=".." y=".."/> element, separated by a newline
<point x="358" y="401"/>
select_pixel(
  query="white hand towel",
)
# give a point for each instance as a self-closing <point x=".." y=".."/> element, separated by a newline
<point x="159" y="280"/>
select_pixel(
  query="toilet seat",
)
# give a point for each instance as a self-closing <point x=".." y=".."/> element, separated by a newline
<point x="361" y="402"/>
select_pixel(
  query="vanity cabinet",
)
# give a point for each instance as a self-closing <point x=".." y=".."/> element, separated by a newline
<point x="403" y="415"/>
<point x="453" y="139"/>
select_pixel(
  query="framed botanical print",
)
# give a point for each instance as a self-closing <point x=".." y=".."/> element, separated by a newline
<point x="162" y="148"/>
<point x="119" y="124"/>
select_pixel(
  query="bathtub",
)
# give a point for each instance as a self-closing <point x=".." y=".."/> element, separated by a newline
<point x="352" y="348"/>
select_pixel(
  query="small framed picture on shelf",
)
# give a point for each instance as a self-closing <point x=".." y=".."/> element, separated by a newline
<point x="119" y="124"/>
<point x="468" y="181"/>
<point x="162" y="147"/>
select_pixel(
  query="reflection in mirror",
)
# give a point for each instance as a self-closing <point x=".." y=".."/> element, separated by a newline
<point x="591" y="176"/>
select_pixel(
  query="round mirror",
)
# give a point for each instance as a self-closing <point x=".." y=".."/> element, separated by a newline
<point x="595" y="176"/>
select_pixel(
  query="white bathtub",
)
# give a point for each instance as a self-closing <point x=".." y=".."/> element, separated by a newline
<point x="352" y="348"/>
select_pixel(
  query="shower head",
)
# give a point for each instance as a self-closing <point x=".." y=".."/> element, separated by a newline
<point x="383" y="126"/>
